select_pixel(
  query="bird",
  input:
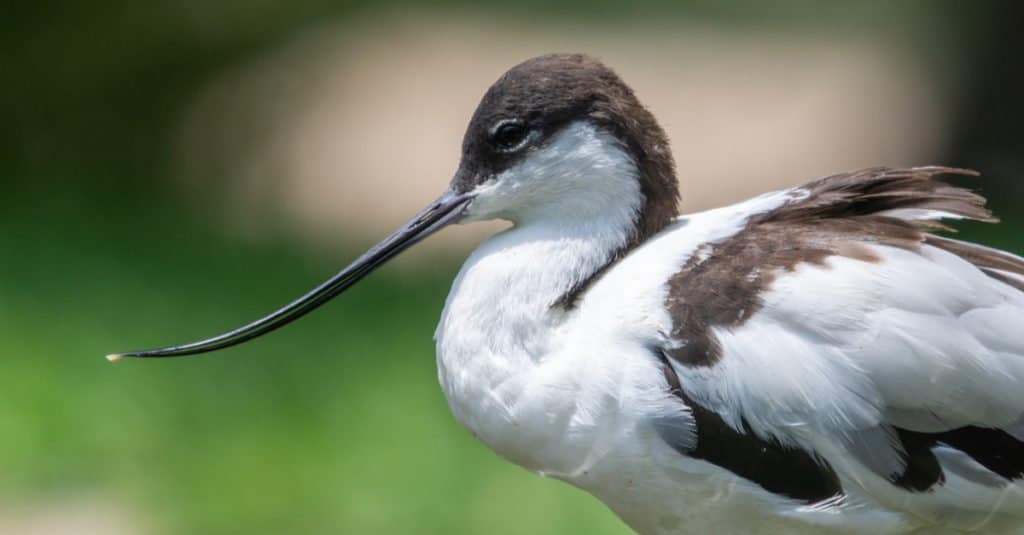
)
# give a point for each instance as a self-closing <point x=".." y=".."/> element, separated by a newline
<point x="818" y="359"/>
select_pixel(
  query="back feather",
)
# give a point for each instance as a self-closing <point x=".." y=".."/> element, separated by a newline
<point x="915" y="194"/>
<point x="894" y="201"/>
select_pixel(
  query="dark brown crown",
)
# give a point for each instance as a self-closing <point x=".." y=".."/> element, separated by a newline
<point x="546" y="93"/>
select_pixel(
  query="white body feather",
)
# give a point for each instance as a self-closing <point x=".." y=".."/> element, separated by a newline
<point x="918" y="338"/>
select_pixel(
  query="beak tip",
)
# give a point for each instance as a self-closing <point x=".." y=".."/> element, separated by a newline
<point x="114" y="357"/>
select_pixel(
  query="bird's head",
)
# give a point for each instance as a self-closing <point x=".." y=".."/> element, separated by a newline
<point x="563" y="135"/>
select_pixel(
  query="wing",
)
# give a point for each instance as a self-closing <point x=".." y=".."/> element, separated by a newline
<point x="837" y="325"/>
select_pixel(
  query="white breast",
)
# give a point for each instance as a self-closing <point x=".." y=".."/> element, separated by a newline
<point x="572" y="395"/>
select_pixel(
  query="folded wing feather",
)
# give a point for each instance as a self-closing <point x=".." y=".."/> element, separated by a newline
<point x="862" y="335"/>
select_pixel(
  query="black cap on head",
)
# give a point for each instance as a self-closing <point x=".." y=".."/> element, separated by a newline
<point x="535" y="99"/>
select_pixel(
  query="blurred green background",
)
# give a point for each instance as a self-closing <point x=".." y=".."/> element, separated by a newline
<point x="173" y="170"/>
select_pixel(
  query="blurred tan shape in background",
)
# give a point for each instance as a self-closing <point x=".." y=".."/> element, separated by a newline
<point x="79" y="517"/>
<point x="342" y="134"/>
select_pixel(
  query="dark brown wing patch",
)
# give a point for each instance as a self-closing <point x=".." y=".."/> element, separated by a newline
<point x="790" y="472"/>
<point x="876" y="190"/>
<point x="722" y="283"/>
<point x="801" y="475"/>
<point x="922" y="471"/>
<point x="992" y="262"/>
<point x="995" y="449"/>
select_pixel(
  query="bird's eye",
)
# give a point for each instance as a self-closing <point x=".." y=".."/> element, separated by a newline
<point x="508" y="136"/>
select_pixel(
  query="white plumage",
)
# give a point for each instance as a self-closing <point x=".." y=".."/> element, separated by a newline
<point x="838" y="352"/>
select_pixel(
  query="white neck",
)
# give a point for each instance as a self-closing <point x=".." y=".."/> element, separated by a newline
<point x="499" y="323"/>
<point x="503" y="297"/>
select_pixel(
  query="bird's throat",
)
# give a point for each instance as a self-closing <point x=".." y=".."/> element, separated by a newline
<point x="502" y="317"/>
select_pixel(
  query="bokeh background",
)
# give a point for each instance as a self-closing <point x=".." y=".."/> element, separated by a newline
<point x="169" y="170"/>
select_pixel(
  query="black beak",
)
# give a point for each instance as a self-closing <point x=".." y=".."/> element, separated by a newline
<point x="445" y="210"/>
